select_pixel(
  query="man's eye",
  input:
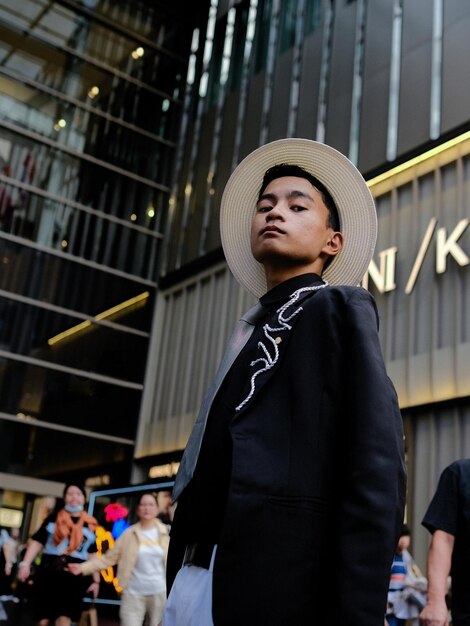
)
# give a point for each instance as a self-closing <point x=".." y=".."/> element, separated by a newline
<point x="264" y="208"/>
<point x="297" y="208"/>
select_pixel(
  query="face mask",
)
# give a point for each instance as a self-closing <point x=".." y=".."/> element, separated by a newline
<point x="73" y="509"/>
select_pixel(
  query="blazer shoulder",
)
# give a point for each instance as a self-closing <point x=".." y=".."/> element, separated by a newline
<point x="347" y="305"/>
<point x="341" y="295"/>
<point x="350" y="293"/>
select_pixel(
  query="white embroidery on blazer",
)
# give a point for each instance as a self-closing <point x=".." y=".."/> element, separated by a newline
<point x="270" y="358"/>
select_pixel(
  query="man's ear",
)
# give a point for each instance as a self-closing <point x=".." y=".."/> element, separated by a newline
<point x="334" y="244"/>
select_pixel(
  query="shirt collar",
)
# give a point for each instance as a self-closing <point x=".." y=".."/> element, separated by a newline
<point x="284" y="290"/>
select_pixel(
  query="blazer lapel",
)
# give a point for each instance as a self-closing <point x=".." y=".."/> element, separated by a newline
<point x="240" y="336"/>
<point x="273" y="347"/>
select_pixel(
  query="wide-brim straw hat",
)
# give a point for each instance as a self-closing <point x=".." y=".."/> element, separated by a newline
<point x="356" y="209"/>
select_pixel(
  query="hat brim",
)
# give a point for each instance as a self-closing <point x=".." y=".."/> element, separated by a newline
<point x="356" y="208"/>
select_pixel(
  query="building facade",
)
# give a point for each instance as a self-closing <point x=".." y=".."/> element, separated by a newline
<point x="384" y="83"/>
<point x="91" y="96"/>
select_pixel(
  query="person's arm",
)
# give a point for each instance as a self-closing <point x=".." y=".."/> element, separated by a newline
<point x="24" y="566"/>
<point x="97" y="563"/>
<point x="94" y="588"/>
<point x="7" y="553"/>
<point x="435" y="612"/>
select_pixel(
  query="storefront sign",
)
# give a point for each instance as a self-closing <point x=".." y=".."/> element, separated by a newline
<point x="162" y="471"/>
<point x="383" y="275"/>
<point x="11" y="518"/>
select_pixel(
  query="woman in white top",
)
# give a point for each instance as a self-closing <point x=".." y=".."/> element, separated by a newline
<point x="141" y="554"/>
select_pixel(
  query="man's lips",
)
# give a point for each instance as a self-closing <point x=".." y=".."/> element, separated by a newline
<point x="271" y="229"/>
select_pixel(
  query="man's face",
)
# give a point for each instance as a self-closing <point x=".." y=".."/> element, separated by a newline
<point x="290" y="228"/>
<point x="164" y="501"/>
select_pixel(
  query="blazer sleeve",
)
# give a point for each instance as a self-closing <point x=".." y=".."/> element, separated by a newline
<point x="373" y="496"/>
<point x="108" y="559"/>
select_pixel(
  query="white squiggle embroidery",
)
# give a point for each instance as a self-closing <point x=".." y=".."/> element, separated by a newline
<point x="270" y="358"/>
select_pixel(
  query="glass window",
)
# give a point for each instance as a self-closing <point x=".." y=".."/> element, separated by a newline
<point x="57" y="281"/>
<point x="74" y="53"/>
<point x="63" y="227"/>
<point x="262" y="34"/>
<point x="52" y="454"/>
<point x="37" y="393"/>
<point x="216" y="63"/>
<point x="88" y="236"/>
<point x="239" y="42"/>
<point x="313" y="15"/>
<point x="136" y="104"/>
<point x="43" y="334"/>
<point x="84" y="132"/>
<point x="288" y="21"/>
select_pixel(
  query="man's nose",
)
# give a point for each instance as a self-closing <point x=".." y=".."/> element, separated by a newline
<point x="277" y="212"/>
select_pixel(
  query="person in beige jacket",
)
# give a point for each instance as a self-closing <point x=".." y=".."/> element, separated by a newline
<point x="141" y="554"/>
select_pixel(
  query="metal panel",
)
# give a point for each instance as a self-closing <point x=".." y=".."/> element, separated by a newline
<point x="252" y="121"/>
<point x="224" y="165"/>
<point x="415" y="84"/>
<point x="201" y="166"/>
<point x="309" y="84"/>
<point x="222" y="7"/>
<point x="341" y="78"/>
<point x="455" y="78"/>
<point x="280" y="99"/>
<point x="375" y="95"/>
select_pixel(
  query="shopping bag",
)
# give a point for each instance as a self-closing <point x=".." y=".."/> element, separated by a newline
<point x="89" y="617"/>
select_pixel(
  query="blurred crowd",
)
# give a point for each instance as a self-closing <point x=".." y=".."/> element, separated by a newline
<point x="46" y="580"/>
<point x="61" y="562"/>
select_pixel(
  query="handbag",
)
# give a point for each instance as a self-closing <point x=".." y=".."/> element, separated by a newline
<point x="413" y="596"/>
<point x="415" y="590"/>
<point x="54" y="563"/>
<point x="89" y="617"/>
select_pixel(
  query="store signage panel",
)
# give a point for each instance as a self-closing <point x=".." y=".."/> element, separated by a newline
<point x="447" y="247"/>
<point x="11" y="518"/>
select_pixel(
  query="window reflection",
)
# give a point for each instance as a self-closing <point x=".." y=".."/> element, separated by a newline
<point x="81" y="129"/>
<point x="45" y="453"/>
<point x="57" y="281"/>
<point x="72" y="54"/>
<point x="54" y="224"/>
<point x="27" y="330"/>
<point x="37" y="393"/>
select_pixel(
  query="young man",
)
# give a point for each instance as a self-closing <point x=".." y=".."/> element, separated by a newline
<point x="298" y="448"/>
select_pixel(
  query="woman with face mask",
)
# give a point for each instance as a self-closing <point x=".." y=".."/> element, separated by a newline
<point x="65" y="537"/>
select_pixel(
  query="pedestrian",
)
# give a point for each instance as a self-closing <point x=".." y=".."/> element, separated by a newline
<point x="140" y="553"/>
<point x="65" y="537"/>
<point x="298" y="448"/>
<point x="406" y="593"/>
<point x="9" y="541"/>
<point x="165" y="502"/>
<point x="448" y="519"/>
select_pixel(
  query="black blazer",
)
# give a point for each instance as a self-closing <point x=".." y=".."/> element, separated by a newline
<point x="317" y="488"/>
